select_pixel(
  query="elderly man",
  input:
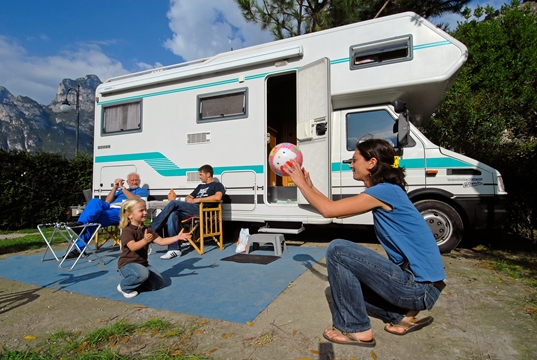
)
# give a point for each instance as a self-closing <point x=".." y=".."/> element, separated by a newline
<point x="106" y="212"/>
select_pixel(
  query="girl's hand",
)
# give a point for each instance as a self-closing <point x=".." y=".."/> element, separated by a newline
<point x="148" y="237"/>
<point x="182" y="236"/>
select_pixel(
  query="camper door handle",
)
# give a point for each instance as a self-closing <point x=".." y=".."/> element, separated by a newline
<point x="349" y="161"/>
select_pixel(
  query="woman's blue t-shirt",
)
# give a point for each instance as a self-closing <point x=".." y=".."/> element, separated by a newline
<point x="404" y="234"/>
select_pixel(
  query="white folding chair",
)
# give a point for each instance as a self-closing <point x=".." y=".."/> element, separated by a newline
<point x="71" y="233"/>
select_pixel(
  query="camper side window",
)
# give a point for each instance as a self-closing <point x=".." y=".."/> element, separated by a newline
<point x="369" y="124"/>
<point x="223" y="105"/>
<point x="121" y="118"/>
<point x="381" y="52"/>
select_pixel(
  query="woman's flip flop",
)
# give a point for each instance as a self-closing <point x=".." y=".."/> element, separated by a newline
<point x="409" y="326"/>
<point x="351" y="339"/>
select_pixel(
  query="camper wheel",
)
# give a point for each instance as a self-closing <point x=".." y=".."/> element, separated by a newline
<point x="444" y="221"/>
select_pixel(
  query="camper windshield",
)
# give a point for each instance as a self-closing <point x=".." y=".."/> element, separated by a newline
<point x="364" y="125"/>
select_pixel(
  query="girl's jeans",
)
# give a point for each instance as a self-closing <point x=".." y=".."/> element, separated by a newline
<point x="136" y="275"/>
<point x="363" y="282"/>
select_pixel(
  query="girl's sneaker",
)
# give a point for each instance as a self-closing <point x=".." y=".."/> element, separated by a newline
<point x="127" y="295"/>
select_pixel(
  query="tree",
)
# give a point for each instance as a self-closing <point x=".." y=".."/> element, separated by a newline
<point x="490" y="113"/>
<point x="287" y="18"/>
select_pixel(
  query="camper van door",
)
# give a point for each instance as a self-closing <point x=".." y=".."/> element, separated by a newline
<point x="313" y="123"/>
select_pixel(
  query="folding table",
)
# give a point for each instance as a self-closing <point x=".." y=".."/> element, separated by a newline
<point x="71" y="233"/>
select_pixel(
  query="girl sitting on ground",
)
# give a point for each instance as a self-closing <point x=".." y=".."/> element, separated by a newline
<point x="135" y="240"/>
<point x="363" y="282"/>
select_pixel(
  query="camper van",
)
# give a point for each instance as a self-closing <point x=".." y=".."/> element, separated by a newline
<point x="323" y="92"/>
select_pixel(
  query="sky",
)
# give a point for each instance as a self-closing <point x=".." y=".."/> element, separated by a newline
<point x="43" y="42"/>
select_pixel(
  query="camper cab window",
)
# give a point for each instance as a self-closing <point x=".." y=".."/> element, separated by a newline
<point x="223" y="105"/>
<point x="122" y="118"/>
<point x="381" y="52"/>
<point x="370" y="124"/>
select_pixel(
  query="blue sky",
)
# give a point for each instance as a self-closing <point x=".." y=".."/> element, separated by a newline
<point x="45" y="41"/>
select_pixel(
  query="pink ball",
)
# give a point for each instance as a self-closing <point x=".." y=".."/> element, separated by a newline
<point x="282" y="153"/>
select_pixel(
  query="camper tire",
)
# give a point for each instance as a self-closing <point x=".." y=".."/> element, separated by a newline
<point x="444" y="221"/>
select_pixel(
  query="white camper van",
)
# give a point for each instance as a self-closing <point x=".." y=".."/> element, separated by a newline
<point x="322" y="91"/>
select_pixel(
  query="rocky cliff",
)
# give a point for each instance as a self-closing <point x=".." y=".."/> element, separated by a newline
<point x="30" y="126"/>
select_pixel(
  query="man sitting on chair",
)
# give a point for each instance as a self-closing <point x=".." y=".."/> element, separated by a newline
<point x="178" y="210"/>
<point x="106" y="212"/>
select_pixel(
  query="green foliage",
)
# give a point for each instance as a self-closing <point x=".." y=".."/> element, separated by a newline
<point x="287" y="18"/>
<point x="38" y="188"/>
<point x="490" y="113"/>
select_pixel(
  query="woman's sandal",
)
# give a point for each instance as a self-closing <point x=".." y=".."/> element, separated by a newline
<point x="351" y="339"/>
<point x="409" y="326"/>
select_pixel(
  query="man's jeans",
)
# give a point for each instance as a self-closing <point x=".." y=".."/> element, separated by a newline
<point x="363" y="282"/>
<point x="136" y="275"/>
<point x="174" y="213"/>
<point x="96" y="211"/>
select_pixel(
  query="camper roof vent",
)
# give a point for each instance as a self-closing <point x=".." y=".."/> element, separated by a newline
<point x="198" y="138"/>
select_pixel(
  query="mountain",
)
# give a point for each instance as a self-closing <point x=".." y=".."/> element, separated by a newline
<point x="33" y="127"/>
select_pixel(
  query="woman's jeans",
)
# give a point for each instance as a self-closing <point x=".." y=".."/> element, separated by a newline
<point x="174" y="212"/>
<point x="136" y="275"/>
<point x="363" y="282"/>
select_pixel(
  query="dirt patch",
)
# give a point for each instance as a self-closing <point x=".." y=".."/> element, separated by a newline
<point x="480" y="315"/>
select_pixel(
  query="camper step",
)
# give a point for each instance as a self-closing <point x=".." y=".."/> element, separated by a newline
<point x="266" y="229"/>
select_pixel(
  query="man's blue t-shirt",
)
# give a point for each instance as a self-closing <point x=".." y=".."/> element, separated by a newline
<point x="404" y="234"/>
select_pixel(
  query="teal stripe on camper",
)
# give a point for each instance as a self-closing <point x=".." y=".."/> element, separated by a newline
<point x="339" y="61"/>
<point x="446" y="163"/>
<point x="166" y="92"/>
<point x="430" y="45"/>
<point x="165" y="167"/>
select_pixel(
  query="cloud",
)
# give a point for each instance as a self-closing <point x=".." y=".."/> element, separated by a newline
<point x="215" y="27"/>
<point x="39" y="77"/>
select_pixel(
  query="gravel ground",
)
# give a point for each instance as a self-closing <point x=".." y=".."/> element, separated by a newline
<point x="481" y="315"/>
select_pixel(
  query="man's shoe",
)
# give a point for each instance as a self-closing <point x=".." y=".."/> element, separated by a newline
<point x="127" y="295"/>
<point x="171" y="254"/>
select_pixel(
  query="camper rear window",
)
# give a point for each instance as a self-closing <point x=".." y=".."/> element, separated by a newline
<point x="122" y="118"/>
<point x="381" y="52"/>
<point x="223" y="105"/>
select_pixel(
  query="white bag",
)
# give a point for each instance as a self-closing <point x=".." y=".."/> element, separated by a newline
<point x="242" y="242"/>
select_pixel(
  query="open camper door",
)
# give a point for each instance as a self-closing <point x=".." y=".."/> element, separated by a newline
<point x="313" y="123"/>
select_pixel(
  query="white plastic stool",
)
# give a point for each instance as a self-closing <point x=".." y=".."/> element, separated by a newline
<point x="275" y="239"/>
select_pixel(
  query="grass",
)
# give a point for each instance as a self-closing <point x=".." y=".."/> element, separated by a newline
<point x="29" y="242"/>
<point x="158" y="338"/>
<point x="514" y="257"/>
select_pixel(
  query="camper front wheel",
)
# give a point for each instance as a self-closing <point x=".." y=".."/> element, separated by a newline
<point x="444" y="221"/>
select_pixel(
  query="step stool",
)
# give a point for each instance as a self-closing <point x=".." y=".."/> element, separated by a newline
<point x="277" y="240"/>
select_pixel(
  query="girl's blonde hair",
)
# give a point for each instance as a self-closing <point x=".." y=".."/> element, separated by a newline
<point x="126" y="208"/>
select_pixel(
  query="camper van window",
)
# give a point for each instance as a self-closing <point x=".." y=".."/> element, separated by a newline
<point x="121" y="118"/>
<point x="223" y="105"/>
<point x="363" y="125"/>
<point x="381" y="52"/>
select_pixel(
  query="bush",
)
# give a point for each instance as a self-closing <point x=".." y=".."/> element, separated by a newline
<point x="38" y="188"/>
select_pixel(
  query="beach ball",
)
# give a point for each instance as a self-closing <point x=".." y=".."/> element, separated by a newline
<point x="282" y="153"/>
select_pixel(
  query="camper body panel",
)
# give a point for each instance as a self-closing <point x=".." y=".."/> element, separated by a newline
<point x="174" y="136"/>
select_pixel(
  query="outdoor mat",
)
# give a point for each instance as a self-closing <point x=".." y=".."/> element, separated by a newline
<point x="196" y="284"/>
<point x="251" y="259"/>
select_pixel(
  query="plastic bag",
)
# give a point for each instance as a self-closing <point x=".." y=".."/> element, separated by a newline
<point x="242" y="242"/>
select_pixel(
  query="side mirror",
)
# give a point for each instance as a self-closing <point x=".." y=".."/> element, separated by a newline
<point x="401" y="127"/>
<point x="399" y="106"/>
<point x="402" y="131"/>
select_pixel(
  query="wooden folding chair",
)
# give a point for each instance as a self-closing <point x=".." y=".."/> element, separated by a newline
<point x="208" y="225"/>
<point x="107" y="233"/>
